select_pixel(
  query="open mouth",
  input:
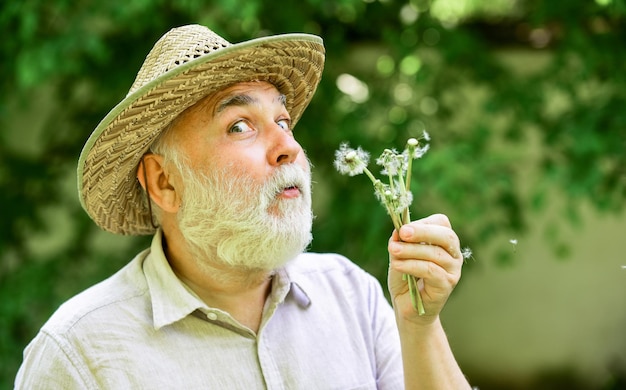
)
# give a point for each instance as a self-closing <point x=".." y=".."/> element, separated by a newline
<point x="292" y="191"/>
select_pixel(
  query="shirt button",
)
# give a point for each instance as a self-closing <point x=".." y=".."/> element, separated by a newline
<point x="211" y="316"/>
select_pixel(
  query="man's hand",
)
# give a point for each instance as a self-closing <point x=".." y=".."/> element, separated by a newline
<point x="429" y="250"/>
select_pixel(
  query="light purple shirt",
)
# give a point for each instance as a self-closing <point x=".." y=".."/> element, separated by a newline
<point x="326" y="325"/>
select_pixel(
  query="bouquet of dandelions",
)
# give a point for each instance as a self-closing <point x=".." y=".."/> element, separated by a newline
<point x="395" y="195"/>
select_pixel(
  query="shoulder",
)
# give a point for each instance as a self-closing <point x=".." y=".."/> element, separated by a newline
<point x="55" y="355"/>
<point x="323" y="262"/>
<point x="325" y="265"/>
<point x="103" y="299"/>
<point x="333" y="275"/>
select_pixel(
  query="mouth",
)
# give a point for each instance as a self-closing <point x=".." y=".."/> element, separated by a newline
<point x="290" y="192"/>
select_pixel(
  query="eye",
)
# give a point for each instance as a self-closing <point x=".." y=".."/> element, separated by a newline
<point x="284" y="123"/>
<point x="240" y="127"/>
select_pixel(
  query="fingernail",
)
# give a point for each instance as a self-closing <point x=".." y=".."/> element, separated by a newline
<point x="406" y="232"/>
<point x="393" y="248"/>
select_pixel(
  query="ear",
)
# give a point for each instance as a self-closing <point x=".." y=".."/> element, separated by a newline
<point x="158" y="183"/>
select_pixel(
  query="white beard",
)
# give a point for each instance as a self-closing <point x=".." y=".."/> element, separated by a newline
<point x="228" y="218"/>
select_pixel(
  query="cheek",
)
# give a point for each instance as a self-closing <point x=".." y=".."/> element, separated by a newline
<point x="218" y="157"/>
<point x="303" y="161"/>
<point x="241" y="163"/>
<point x="197" y="155"/>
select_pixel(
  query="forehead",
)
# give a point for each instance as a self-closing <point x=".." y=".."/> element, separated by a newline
<point x="237" y="94"/>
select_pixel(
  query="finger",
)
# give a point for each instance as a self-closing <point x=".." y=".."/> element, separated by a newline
<point x="403" y="251"/>
<point x="420" y="269"/>
<point x="437" y="235"/>
<point x="436" y="219"/>
<point x="434" y="275"/>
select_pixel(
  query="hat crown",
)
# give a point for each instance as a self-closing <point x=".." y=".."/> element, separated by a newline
<point x="176" y="47"/>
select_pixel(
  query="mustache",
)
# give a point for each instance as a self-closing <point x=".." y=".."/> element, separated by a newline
<point x="232" y="180"/>
<point x="288" y="176"/>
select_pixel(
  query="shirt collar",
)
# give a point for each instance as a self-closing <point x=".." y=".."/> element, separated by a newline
<point x="284" y="286"/>
<point x="172" y="300"/>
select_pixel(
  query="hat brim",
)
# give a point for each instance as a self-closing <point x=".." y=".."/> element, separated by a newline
<point x="107" y="184"/>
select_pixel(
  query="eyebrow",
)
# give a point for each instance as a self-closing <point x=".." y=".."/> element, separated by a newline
<point x="244" y="100"/>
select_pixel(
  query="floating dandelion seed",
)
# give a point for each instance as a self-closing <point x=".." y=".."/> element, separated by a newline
<point x="466" y="253"/>
<point x="513" y="241"/>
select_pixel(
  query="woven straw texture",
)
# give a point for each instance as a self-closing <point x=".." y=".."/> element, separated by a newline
<point x="185" y="65"/>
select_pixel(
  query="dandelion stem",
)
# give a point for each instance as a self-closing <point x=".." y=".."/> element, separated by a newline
<point x="391" y="184"/>
<point x="411" y="283"/>
<point x="370" y="175"/>
<point x="416" y="297"/>
<point x="408" y="174"/>
<point x="394" y="218"/>
<point x="411" y="144"/>
<point x="406" y="215"/>
<point x="401" y="181"/>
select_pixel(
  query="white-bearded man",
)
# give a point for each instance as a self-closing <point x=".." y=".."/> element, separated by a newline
<point x="202" y="155"/>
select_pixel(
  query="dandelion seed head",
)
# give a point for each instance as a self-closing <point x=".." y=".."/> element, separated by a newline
<point x="412" y="142"/>
<point x="380" y="189"/>
<point x="403" y="201"/>
<point x="390" y="162"/>
<point x="362" y="155"/>
<point x="350" y="161"/>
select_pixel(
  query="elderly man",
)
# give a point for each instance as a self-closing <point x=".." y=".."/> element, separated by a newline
<point x="201" y="154"/>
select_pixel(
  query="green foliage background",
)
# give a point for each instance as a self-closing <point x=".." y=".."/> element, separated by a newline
<point x="508" y="90"/>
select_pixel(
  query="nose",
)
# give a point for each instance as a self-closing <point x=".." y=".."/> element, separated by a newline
<point x="284" y="148"/>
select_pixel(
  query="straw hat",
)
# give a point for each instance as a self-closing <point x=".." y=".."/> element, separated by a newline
<point x="185" y="65"/>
